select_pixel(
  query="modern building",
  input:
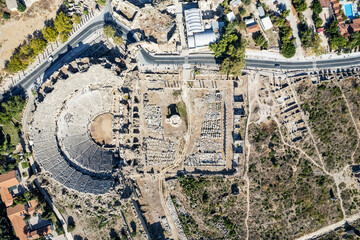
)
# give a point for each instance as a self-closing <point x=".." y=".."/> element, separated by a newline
<point x="193" y="21"/>
<point x="11" y="5"/>
<point x="230" y="16"/>
<point x="261" y="11"/>
<point x="266" y="23"/>
<point x="197" y="34"/>
<point x="8" y="186"/>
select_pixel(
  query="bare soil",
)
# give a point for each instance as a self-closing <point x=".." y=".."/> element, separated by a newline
<point x="101" y="129"/>
<point x="15" y="31"/>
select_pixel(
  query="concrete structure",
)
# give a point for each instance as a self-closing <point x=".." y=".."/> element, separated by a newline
<point x="199" y="35"/>
<point x="193" y="21"/>
<point x="261" y="11"/>
<point x="202" y="39"/>
<point x="266" y="23"/>
<point x="230" y="16"/>
<point x="174" y="120"/>
<point x="11" y="5"/>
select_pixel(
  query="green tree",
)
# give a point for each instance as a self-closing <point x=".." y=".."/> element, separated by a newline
<point x="354" y="40"/>
<point x="242" y="11"/>
<point x="306" y="35"/>
<point x="6" y="15"/>
<point x="260" y="40"/>
<point x="220" y="47"/>
<point x="246" y="2"/>
<point x="288" y="50"/>
<point x="337" y="41"/>
<point x="86" y="12"/>
<point x="285" y="13"/>
<point x="63" y="23"/>
<point x="76" y="19"/>
<point x="37" y="45"/>
<point x="316" y="7"/>
<point x="299" y="5"/>
<point x="101" y="2"/>
<point x="332" y="27"/>
<point x="50" y="34"/>
<point x="15" y="64"/>
<point x="109" y="31"/>
<point x="63" y="37"/>
<point x="21" y="7"/>
<point x="318" y="22"/>
<point x="118" y="40"/>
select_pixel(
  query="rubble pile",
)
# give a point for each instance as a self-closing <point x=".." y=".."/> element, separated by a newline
<point x="158" y="151"/>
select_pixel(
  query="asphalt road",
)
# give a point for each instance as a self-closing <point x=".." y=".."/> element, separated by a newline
<point x="207" y="59"/>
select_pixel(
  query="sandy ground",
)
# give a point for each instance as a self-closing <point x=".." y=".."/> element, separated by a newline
<point x="101" y="129"/>
<point x="13" y="32"/>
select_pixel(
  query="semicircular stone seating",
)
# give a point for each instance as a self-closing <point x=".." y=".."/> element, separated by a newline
<point x="60" y="131"/>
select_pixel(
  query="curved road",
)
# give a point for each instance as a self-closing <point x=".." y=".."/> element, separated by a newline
<point x="146" y="59"/>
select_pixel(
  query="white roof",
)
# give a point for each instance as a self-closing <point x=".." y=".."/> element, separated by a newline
<point x="249" y="21"/>
<point x="193" y="21"/>
<point x="266" y="23"/>
<point x="261" y="11"/>
<point x="231" y="16"/>
<point x="202" y="39"/>
<point x="11" y="5"/>
<point x="235" y="3"/>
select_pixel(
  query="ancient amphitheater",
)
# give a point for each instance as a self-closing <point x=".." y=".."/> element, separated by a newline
<point x="72" y="129"/>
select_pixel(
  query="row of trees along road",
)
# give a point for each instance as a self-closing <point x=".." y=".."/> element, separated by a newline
<point x="27" y="52"/>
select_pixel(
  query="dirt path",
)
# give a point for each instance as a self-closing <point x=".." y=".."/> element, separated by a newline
<point x="306" y="122"/>
<point x="163" y="193"/>
<point x="352" y="119"/>
<point x="330" y="228"/>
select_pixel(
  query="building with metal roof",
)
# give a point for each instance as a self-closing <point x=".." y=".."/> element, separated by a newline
<point x="202" y="39"/>
<point x="193" y="21"/>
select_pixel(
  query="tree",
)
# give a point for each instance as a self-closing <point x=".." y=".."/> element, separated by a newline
<point x="6" y="15"/>
<point x="242" y="11"/>
<point x="285" y="13"/>
<point x="316" y="7"/>
<point x="337" y="41"/>
<point x="220" y="47"/>
<point x="63" y="37"/>
<point x="50" y="34"/>
<point x="306" y="35"/>
<point x="260" y="40"/>
<point x="109" y="31"/>
<point x="101" y="2"/>
<point x="86" y="12"/>
<point x="299" y="5"/>
<point x="118" y="40"/>
<point x="15" y="64"/>
<point x="318" y="22"/>
<point x="246" y="2"/>
<point x="76" y="19"/>
<point x="332" y="27"/>
<point x="37" y="45"/>
<point x="288" y="50"/>
<point x="63" y="23"/>
<point x="21" y="7"/>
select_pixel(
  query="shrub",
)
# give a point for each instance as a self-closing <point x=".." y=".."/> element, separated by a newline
<point x="118" y="40"/>
<point x="109" y="31"/>
<point x="6" y="15"/>
<point x="101" y="2"/>
<point x="86" y="12"/>
<point x="288" y="50"/>
<point x="21" y="7"/>
<point x="50" y="34"/>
